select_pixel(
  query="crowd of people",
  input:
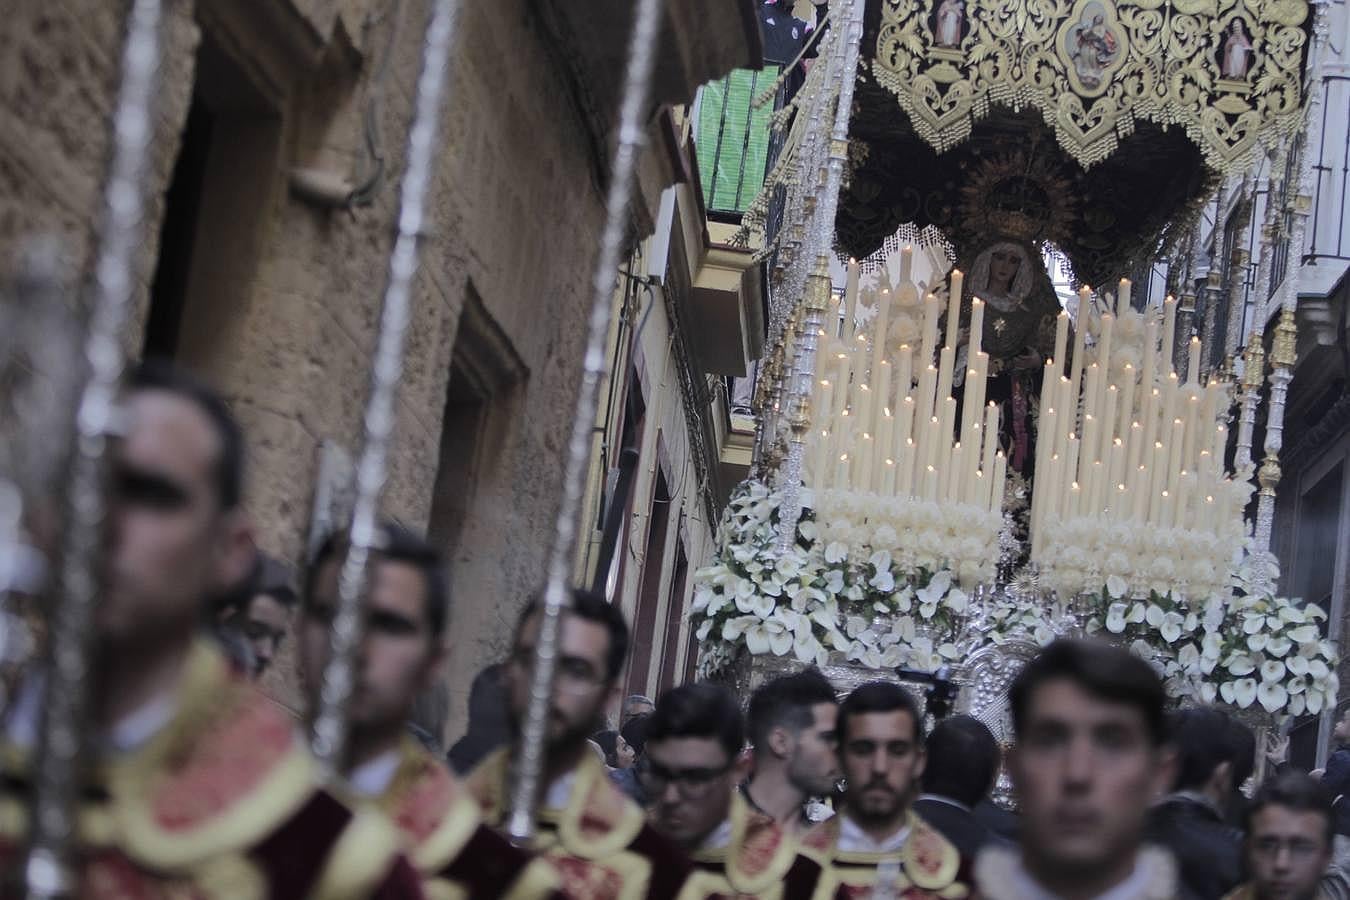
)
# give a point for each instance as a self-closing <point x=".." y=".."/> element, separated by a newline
<point x="202" y="787"/>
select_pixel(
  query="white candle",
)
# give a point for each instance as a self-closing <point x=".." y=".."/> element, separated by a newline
<point x="996" y="488"/>
<point x="905" y="488"/>
<point x="1104" y="344"/>
<point x="851" y="300"/>
<point x="946" y="363"/>
<point x="1061" y="336"/>
<point x="840" y="387"/>
<point x="930" y="323"/>
<point x="1193" y="367"/>
<point x="841" y="473"/>
<point x="954" y="307"/>
<point x="880" y="331"/>
<point x="885" y="427"/>
<point x="930" y="484"/>
<point x="1169" y="334"/>
<point x="905" y="383"/>
<point x="1123" y="296"/>
<point x="1126" y="401"/>
<point x="1191" y="414"/>
<point x="976" y="326"/>
<point x="956" y="465"/>
<point x="1174" y="463"/>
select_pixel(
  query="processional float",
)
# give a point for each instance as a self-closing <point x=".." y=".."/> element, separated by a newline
<point x="953" y="468"/>
<point x="29" y="314"/>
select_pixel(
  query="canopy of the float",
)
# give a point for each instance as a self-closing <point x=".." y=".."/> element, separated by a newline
<point x="1098" y="126"/>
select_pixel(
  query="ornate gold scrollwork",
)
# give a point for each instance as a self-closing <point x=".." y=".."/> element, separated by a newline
<point x="1228" y="72"/>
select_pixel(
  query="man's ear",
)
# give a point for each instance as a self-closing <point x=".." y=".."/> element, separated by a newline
<point x="1164" y="773"/>
<point x="236" y="550"/>
<point x="781" y="742"/>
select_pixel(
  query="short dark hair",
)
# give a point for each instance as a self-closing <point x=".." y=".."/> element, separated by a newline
<point x="700" y="710"/>
<point x="1203" y="742"/>
<point x="1298" y="791"/>
<point x="1242" y="741"/>
<point x="634" y="732"/>
<point x="609" y="743"/>
<point x="786" y="702"/>
<point x="273" y="578"/>
<point x="593" y="607"/>
<point x="963" y="760"/>
<point x="161" y="375"/>
<point x="393" y="543"/>
<point x="879" y="697"/>
<point x="1109" y="673"/>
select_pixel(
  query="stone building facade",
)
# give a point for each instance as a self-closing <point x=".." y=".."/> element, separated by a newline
<point x="274" y="297"/>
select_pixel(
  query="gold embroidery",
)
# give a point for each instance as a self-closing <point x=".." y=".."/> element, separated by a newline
<point x="360" y="857"/>
<point x="1229" y="74"/>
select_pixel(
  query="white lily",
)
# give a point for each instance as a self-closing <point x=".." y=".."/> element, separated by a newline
<point x="836" y="552"/>
<point x="1116" y="587"/>
<point x="1298" y="665"/>
<point x="1272" y="696"/>
<point x="1115" y="618"/>
<point x="1244" y="692"/>
<point x="1272" y="670"/>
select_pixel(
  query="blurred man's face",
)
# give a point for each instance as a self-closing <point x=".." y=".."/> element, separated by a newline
<point x="1287" y="853"/>
<point x="690" y="781"/>
<point x="1342" y="730"/>
<point x="813" y="767"/>
<point x="581" y="685"/>
<point x="169" y="544"/>
<point x="398" y="654"/>
<point x="264" y="625"/>
<point x="1086" y="771"/>
<point x="882" y="761"/>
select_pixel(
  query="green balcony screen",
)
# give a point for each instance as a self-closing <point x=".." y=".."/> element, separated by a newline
<point x="733" y="138"/>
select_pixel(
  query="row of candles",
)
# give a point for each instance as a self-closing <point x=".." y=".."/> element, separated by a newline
<point x="1125" y="443"/>
<point x="884" y="422"/>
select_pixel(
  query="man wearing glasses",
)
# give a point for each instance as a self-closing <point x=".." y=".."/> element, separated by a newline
<point x="596" y="837"/>
<point x="693" y="742"/>
<point x="1290" y="827"/>
<point x="875" y="844"/>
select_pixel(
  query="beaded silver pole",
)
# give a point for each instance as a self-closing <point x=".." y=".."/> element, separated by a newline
<point x="1254" y="357"/>
<point x="49" y="870"/>
<point x="791" y="509"/>
<point x="633" y="111"/>
<point x="1284" y="349"/>
<point x="329" y="729"/>
<point x="1237" y="277"/>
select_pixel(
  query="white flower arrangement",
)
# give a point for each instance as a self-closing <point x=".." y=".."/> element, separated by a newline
<point x="840" y="592"/>
<point x="1082" y="553"/>
<point x="1246" y="649"/>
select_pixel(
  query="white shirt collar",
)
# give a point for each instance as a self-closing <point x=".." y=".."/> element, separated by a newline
<point x="719" y="837"/>
<point x="560" y="791"/>
<point x="852" y="839"/>
<point x="372" y="777"/>
<point x="1140" y="885"/>
<point x="938" y="798"/>
<point x="132" y="731"/>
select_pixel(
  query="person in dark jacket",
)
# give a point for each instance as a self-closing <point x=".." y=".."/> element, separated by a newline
<point x="1336" y="779"/>
<point x="1190" y="820"/>
<point x="963" y="761"/>
<point x="489" y="721"/>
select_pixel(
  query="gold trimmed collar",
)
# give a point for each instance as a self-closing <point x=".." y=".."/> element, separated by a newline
<point x="597" y="821"/>
<point x="760" y="853"/>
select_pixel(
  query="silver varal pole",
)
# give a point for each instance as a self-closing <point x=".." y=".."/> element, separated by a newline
<point x="329" y="730"/>
<point x="790" y="511"/>
<point x="633" y="110"/>
<point x="49" y="870"/>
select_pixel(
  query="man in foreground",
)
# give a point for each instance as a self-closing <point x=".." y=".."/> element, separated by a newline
<point x="201" y="786"/>
<point x="1290" y="825"/>
<point x="406" y="610"/>
<point x="693" y="746"/>
<point x="792" y="728"/>
<point x="875" y="843"/>
<point x="1090" y="757"/>
<point x="597" y="838"/>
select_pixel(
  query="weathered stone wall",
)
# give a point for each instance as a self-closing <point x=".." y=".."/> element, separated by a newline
<point x="287" y="296"/>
